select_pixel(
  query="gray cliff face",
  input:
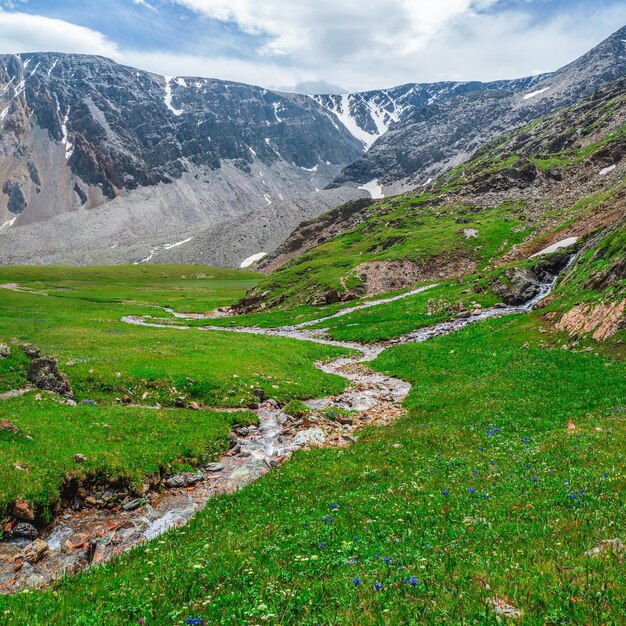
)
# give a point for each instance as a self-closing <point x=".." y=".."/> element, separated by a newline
<point x="369" y="115"/>
<point x="79" y="132"/>
<point x="443" y="132"/>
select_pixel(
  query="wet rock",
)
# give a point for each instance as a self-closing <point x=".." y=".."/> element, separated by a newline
<point x="34" y="552"/>
<point x="463" y="315"/>
<point x="309" y="437"/>
<point x="22" y="510"/>
<point x="243" y="431"/>
<point x="132" y="505"/>
<point x="31" y="351"/>
<point x="80" y="458"/>
<point x="185" y="479"/>
<point x="45" y="374"/>
<point x="214" y="467"/>
<point x="517" y="286"/>
<point x="9" y="427"/>
<point x="26" y="530"/>
<point x="5" y="351"/>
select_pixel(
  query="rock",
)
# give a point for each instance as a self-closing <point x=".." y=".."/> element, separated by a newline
<point x="88" y="402"/>
<point x="126" y="399"/>
<point x="243" y="431"/>
<point x="132" y="505"/>
<point x="80" y="458"/>
<point x="185" y="479"/>
<point x="516" y="286"/>
<point x="24" y="529"/>
<point x="22" y="510"/>
<point x="614" y="546"/>
<point x="34" y="552"/>
<point x="5" y="351"/>
<point x="45" y="374"/>
<point x="214" y="467"/>
<point x="9" y="427"/>
<point x="180" y="402"/>
<point x="555" y="173"/>
<point x="260" y="394"/>
<point x="463" y="315"/>
<point x="504" y="608"/>
<point x="31" y="351"/>
<point x="349" y="438"/>
<point x="194" y="406"/>
<point x="310" y="436"/>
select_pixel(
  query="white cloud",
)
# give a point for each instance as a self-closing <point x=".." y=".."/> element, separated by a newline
<point x="353" y="43"/>
<point x="21" y="32"/>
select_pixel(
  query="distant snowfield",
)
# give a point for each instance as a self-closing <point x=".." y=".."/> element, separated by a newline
<point x="555" y="247"/>
<point x="252" y="259"/>
<point x="374" y="189"/>
<point x="533" y="94"/>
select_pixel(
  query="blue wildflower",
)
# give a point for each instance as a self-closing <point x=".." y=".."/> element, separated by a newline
<point x="387" y="560"/>
<point x="377" y="555"/>
<point x="194" y="621"/>
<point x="534" y="479"/>
<point x="377" y="587"/>
<point x="356" y="581"/>
<point x="472" y="490"/>
<point x="328" y="520"/>
<point x="322" y="544"/>
<point x="334" y="506"/>
<point x="445" y="492"/>
<point x="413" y="581"/>
<point x="525" y="439"/>
<point x="474" y="471"/>
<point x="485" y="496"/>
<point x="572" y="496"/>
<point x="605" y="475"/>
<point x="355" y="539"/>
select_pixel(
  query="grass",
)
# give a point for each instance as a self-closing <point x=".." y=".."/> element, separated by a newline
<point x="184" y="288"/>
<point x="480" y="490"/>
<point x="121" y="444"/>
<point x="106" y="359"/>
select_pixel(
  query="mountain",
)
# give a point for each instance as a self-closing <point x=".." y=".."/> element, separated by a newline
<point x="130" y="159"/>
<point x="101" y="163"/>
<point x="446" y="131"/>
<point x="558" y="178"/>
<point x="368" y="115"/>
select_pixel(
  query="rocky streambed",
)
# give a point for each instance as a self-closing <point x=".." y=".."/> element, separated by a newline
<point x="82" y="535"/>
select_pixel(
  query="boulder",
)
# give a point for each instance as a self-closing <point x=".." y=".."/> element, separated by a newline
<point x="31" y="351"/>
<point x="309" y="436"/>
<point x="5" y="351"/>
<point x="45" y="374"/>
<point x="24" y="529"/>
<point x="517" y="287"/>
<point x="23" y="511"/>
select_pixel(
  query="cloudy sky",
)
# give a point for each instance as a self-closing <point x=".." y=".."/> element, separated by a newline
<point x="318" y="45"/>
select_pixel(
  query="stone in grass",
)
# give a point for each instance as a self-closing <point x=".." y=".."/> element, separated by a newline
<point x="606" y="546"/>
<point x="5" y="351"/>
<point x="31" y="351"/>
<point x="503" y="608"/>
<point x="9" y="427"/>
<point x="80" y="458"/>
<point x="34" y="552"/>
<point x="45" y="374"/>
<point x="214" y="467"/>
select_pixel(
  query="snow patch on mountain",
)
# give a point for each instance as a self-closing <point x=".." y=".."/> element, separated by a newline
<point x="168" y="96"/>
<point x="374" y="189"/>
<point x="252" y="259"/>
<point x="534" y="94"/>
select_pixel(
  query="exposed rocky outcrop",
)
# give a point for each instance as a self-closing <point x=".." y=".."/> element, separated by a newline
<point x="442" y="133"/>
<point x="45" y="374"/>
<point x="600" y="320"/>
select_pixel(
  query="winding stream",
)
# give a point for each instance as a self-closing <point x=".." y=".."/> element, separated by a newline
<point x="79" y="538"/>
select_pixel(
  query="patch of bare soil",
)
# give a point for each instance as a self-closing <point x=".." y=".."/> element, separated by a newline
<point x="384" y="276"/>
